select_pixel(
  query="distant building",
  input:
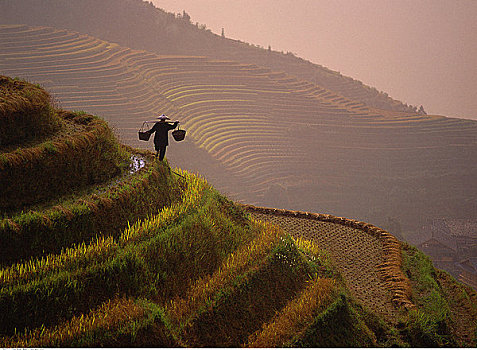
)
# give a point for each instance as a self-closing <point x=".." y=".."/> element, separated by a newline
<point x="443" y="256"/>
<point x="458" y="234"/>
<point x="468" y="271"/>
<point x="465" y="234"/>
<point x="450" y="241"/>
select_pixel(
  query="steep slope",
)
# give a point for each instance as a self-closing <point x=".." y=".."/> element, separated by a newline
<point x="57" y="189"/>
<point x="188" y="267"/>
<point x="261" y="136"/>
<point x="131" y="22"/>
<point x="382" y="274"/>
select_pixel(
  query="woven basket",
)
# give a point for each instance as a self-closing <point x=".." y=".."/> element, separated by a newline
<point x="179" y="134"/>
<point x="144" y="135"/>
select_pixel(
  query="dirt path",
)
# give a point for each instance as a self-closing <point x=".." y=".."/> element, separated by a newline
<point x="360" y="257"/>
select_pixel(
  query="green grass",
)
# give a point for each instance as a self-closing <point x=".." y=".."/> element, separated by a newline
<point x="201" y="273"/>
<point x="116" y="323"/>
<point x="51" y="169"/>
<point x="82" y="217"/>
<point x="296" y="316"/>
<point x="429" y="325"/>
<point x="156" y="258"/>
<point x="340" y="325"/>
<point x="256" y="293"/>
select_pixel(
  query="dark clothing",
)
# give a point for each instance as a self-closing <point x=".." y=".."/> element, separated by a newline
<point x="161" y="138"/>
<point x="161" y="151"/>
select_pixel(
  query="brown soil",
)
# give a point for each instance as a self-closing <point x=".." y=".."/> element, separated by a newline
<point x="357" y="255"/>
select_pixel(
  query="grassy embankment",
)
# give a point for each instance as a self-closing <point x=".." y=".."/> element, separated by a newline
<point x="446" y="312"/>
<point x="25" y="112"/>
<point x="69" y="180"/>
<point x="142" y="268"/>
<point x="172" y="279"/>
<point x="86" y="154"/>
<point x="194" y="270"/>
<point x="168" y="274"/>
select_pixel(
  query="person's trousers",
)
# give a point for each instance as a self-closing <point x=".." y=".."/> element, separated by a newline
<point x="161" y="151"/>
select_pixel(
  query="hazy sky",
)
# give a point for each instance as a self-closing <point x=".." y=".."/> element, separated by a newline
<point x="418" y="51"/>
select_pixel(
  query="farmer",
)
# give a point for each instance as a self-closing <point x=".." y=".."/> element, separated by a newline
<point x="161" y="139"/>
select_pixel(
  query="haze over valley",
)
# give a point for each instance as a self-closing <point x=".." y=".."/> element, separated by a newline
<point x="420" y="52"/>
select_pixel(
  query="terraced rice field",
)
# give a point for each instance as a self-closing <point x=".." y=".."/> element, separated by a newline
<point x="361" y="95"/>
<point x="358" y="255"/>
<point x="251" y="129"/>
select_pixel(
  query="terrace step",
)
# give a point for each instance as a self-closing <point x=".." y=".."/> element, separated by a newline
<point x="223" y="103"/>
<point x="103" y="209"/>
<point x="83" y="153"/>
<point x="359" y="251"/>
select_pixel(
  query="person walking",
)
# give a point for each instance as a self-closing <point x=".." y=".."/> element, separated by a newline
<point x="161" y="138"/>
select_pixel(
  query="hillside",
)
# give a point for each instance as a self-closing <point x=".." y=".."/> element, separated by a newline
<point x="263" y="137"/>
<point x="138" y="24"/>
<point x="188" y="267"/>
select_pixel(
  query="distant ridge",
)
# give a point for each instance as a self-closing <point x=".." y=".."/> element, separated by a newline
<point x="139" y="24"/>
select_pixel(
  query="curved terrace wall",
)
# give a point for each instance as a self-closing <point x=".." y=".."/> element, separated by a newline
<point x="89" y="154"/>
<point x="390" y="270"/>
<point x="104" y="211"/>
<point x="261" y="129"/>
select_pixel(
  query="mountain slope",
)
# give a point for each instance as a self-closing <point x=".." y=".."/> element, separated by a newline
<point x="139" y="25"/>
<point x="261" y="136"/>
<point x="199" y="270"/>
